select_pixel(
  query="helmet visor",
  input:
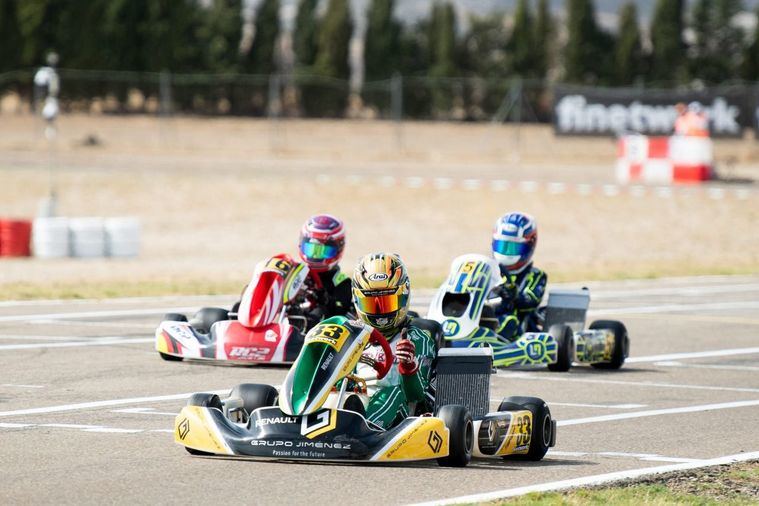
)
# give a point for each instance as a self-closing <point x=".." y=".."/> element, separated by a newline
<point x="378" y="303"/>
<point x="510" y="248"/>
<point x="318" y="251"/>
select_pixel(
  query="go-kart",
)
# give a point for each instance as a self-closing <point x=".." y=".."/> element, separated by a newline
<point x="319" y="411"/>
<point x="258" y="330"/>
<point x="557" y="336"/>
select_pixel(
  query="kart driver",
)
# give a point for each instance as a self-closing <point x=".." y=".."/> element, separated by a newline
<point x="381" y="297"/>
<point x="326" y="291"/>
<point x="522" y="285"/>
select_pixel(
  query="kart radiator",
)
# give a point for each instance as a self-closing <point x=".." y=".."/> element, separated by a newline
<point x="463" y="377"/>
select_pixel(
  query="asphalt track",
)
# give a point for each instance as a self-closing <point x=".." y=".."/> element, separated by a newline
<point x="86" y="406"/>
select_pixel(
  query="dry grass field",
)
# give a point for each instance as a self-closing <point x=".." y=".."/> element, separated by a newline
<point x="215" y="196"/>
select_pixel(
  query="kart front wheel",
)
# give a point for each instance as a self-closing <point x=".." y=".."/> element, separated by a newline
<point x="565" y="344"/>
<point x="542" y="436"/>
<point x="621" y="343"/>
<point x="254" y="396"/>
<point x="170" y="358"/>
<point x="172" y="317"/>
<point x="207" y="316"/>
<point x="460" y="435"/>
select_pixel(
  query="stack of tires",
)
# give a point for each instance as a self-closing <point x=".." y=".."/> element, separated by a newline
<point x="14" y="237"/>
<point x="86" y="237"/>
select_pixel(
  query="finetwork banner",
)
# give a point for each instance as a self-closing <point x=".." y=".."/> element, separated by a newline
<point x="607" y="111"/>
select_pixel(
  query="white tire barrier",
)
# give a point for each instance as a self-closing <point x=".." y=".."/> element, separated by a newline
<point x="87" y="236"/>
<point x="50" y="237"/>
<point x="122" y="237"/>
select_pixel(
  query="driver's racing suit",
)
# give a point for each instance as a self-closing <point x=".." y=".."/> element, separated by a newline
<point x="325" y="294"/>
<point x="520" y="297"/>
<point x="390" y="398"/>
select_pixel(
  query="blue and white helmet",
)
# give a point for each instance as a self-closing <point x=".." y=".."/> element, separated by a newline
<point x="514" y="239"/>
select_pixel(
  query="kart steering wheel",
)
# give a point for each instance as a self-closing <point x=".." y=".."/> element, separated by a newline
<point x="383" y="367"/>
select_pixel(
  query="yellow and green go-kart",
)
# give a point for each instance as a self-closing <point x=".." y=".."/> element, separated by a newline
<point x="318" y="413"/>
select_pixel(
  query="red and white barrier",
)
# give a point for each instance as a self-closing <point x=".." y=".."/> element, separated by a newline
<point x="664" y="160"/>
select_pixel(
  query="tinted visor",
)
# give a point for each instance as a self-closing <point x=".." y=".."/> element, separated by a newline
<point x="318" y="251"/>
<point x="510" y="248"/>
<point x="380" y="303"/>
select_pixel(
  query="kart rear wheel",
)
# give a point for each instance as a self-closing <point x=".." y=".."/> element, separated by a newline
<point x="255" y="395"/>
<point x="621" y="343"/>
<point x="542" y="427"/>
<point x="565" y="352"/>
<point x="207" y="316"/>
<point x="461" y="435"/>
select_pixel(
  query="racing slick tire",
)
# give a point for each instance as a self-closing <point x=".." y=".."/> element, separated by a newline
<point x="565" y="353"/>
<point x="542" y="436"/>
<point x="207" y="316"/>
<point x="172" y="317"/>
<point x="461" y="435"/>
<point x="206" y="401"/>
<point x="621" y="343"/>
<point x="255" y="395"/>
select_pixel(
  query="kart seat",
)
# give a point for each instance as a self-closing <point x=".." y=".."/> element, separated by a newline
<point x="432" y="327"/>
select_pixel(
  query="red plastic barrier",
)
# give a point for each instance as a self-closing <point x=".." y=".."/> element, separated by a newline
<point x="15" y="238"/>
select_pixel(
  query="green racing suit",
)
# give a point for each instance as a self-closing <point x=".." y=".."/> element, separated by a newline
<point x="392" y="395"/>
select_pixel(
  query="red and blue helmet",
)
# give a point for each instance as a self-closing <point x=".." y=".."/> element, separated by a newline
<point x="322" y="241"/>
<point x="514" y="239"/>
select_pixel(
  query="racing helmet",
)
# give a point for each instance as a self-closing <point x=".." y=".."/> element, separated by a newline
<point x="514" y="239"/>
<point x="381" y="290"/>
<point x="322" y="241"/>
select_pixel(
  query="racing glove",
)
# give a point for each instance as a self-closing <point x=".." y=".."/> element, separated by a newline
<point x="405" y="350"/>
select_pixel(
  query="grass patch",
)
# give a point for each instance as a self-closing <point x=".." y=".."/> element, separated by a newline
<point x="733" y="485"/>
<point x="648" y="495"/>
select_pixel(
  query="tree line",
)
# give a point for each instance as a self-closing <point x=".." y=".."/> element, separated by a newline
<point x="681" y="45"/>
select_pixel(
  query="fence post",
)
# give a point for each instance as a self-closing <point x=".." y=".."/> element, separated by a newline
<point x="164" y="91"/>
<point x="273" y="112"/>
<point x="396" y="100"/>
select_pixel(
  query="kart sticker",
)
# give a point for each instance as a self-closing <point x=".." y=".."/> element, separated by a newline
<point x="451" y="328"/>
<point x="319" y="423"/>
<point x="330" y="334"/>
<point x="278" y="264"/>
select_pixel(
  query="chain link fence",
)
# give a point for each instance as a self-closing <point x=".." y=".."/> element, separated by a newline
<point x="297" y="96"/>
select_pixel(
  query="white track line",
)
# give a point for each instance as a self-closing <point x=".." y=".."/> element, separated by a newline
<point x="96" y="314"/>
<point x="648" y="457"/>
<point x="100" y="404"/>
<point x="598" y="479"/>
<point x="582" y="405"/>
<point x="694" y="354"/>
<point x="683" y="291"/>
<point x="508" y="375"/>
<point x="657" y="412"/>
<point x="11" y="385"/>
<point x="33" y="337"/>
<point x="747" y="368"/>
<point x="143" y="411"/>
<point x="76" y="344"/>
<point x="669" y="308"/>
